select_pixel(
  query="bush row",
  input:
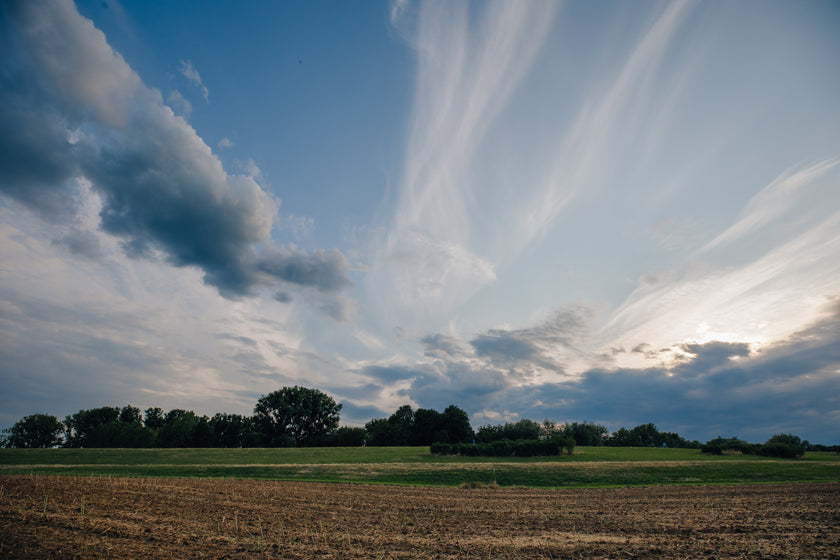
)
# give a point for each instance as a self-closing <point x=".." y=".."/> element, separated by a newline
<point x="786" y="446"/>
<point x="503" y="448"/>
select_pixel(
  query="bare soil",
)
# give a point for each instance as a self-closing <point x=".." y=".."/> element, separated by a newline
<point x="70" y="517"/>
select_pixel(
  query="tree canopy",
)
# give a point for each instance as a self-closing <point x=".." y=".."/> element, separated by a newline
<point x="36" y="430"/>
<point x="295" y="416"/>
<point x="421" y="427"/>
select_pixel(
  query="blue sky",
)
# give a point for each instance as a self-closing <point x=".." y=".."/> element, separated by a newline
<point x="613" y="212"/>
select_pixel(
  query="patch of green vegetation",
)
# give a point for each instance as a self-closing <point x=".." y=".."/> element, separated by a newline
<point x="589" y="467"/>
<point x="213" y="456"/>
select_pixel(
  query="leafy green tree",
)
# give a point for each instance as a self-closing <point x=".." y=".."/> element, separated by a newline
<point x="80" y="428"/>
<point x="783" y="445"/>
<point x="203" y="435"/>
<point x="381" y="432"/>
<point x="232" y="430"/>
<point x="178" y="429"/>
<point x="428" y="424"/>
<point x="153" y="418"/>
<point x="620" y="438"/>
<point x="457" y="425"/>
<point x="123" y="434"/>
<point x="130" y="415"/>
<point x="646" y="435"/>
<point x="35" y="430"/>
<point x="568" y="443"/>
<point x="346" y="436"/>
<point x="718" y="445"/>
<point x="585" y="433"/>
<point x="402" y="421"/>
<point x="523" y="429"/>
<point x="550" y="428"/>
<point x="295" y="416"/>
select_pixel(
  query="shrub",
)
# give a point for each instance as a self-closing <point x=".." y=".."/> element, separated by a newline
<point x="787" y="446"/>
<point x="782" y="450"/>
<point x="500" y="448"/>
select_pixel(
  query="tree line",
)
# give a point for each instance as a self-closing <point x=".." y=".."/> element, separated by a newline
<point x="299" y="416"/>
<point x="291" y="416"/>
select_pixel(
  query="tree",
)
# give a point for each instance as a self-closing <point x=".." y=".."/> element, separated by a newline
<point x="231" y="430"/>
<point x="586" y="434"/>
<point x="36" y="430"/>
<point x="523" y="429"/>
<point x="178" y="430"/>
<point x="402" y="422"/>
<point x="568" y="443"/>
<point x="428" y="424"/>
<point x="550" y="428"/>
<point x="295" y="416"/>
<point x="122" y="434"/>
<point x="381" y="432"/>
<point x="456" y="425"/>
<point x="783" y="445"/>
<point x="130" y="415"/>
<point x="80" y="428"/>
<point x="153" y="418"/>
<point x="645" y="435"/>
<point x="346" y="436"/>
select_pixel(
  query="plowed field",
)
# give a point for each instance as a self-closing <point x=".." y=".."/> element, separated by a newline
<point x="69" y="517"/>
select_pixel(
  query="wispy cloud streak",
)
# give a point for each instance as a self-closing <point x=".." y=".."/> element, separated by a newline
<point x="757" y="294"/>
<point x="466" y="74"/>
<point x="449" y="203"/>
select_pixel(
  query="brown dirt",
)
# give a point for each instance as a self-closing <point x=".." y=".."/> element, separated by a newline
<point x="69" y="517"/>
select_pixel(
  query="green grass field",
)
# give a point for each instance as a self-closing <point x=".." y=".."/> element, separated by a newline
<point x="588" y="467"/>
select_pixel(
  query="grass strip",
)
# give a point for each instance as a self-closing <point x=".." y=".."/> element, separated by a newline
<point x="534" y="475"/>
<point x="356" y="455"/>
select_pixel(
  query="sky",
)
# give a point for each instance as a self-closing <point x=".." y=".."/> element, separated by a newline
<point x="610" y="212"/>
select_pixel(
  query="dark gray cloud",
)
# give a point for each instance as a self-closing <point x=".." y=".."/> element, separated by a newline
<point x="716" y="388"/>
<point x="71" y="107"/>
<point x="282" y="297"/>
<point x="506" y="348"/>
<point x="324" y="270"/>
<point x="469" y="385"/>
<point x="534" y="345"/>
<point x="443" y="346"/>
<point x="390" y="374"/>
<point x="36" y="159"/>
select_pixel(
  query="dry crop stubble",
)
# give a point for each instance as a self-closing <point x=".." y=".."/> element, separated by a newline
<point x="153" y="518"/>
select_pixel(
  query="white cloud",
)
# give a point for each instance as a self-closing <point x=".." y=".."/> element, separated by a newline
<point x="191" y="74"/>
<point x="251" y="168"/>
<point x="180" y="104"/>
<point x="774" y="200"/>
<point x="606" y="117"/>
<point x="764" y="298"/>
<point x="398" y="8"/>
<point x="113" y="331"/>
<point x="225" y="143"/>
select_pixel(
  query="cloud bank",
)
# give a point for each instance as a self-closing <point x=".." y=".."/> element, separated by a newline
<point x="72" y="108"/>
<point x="700" y="390"/>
